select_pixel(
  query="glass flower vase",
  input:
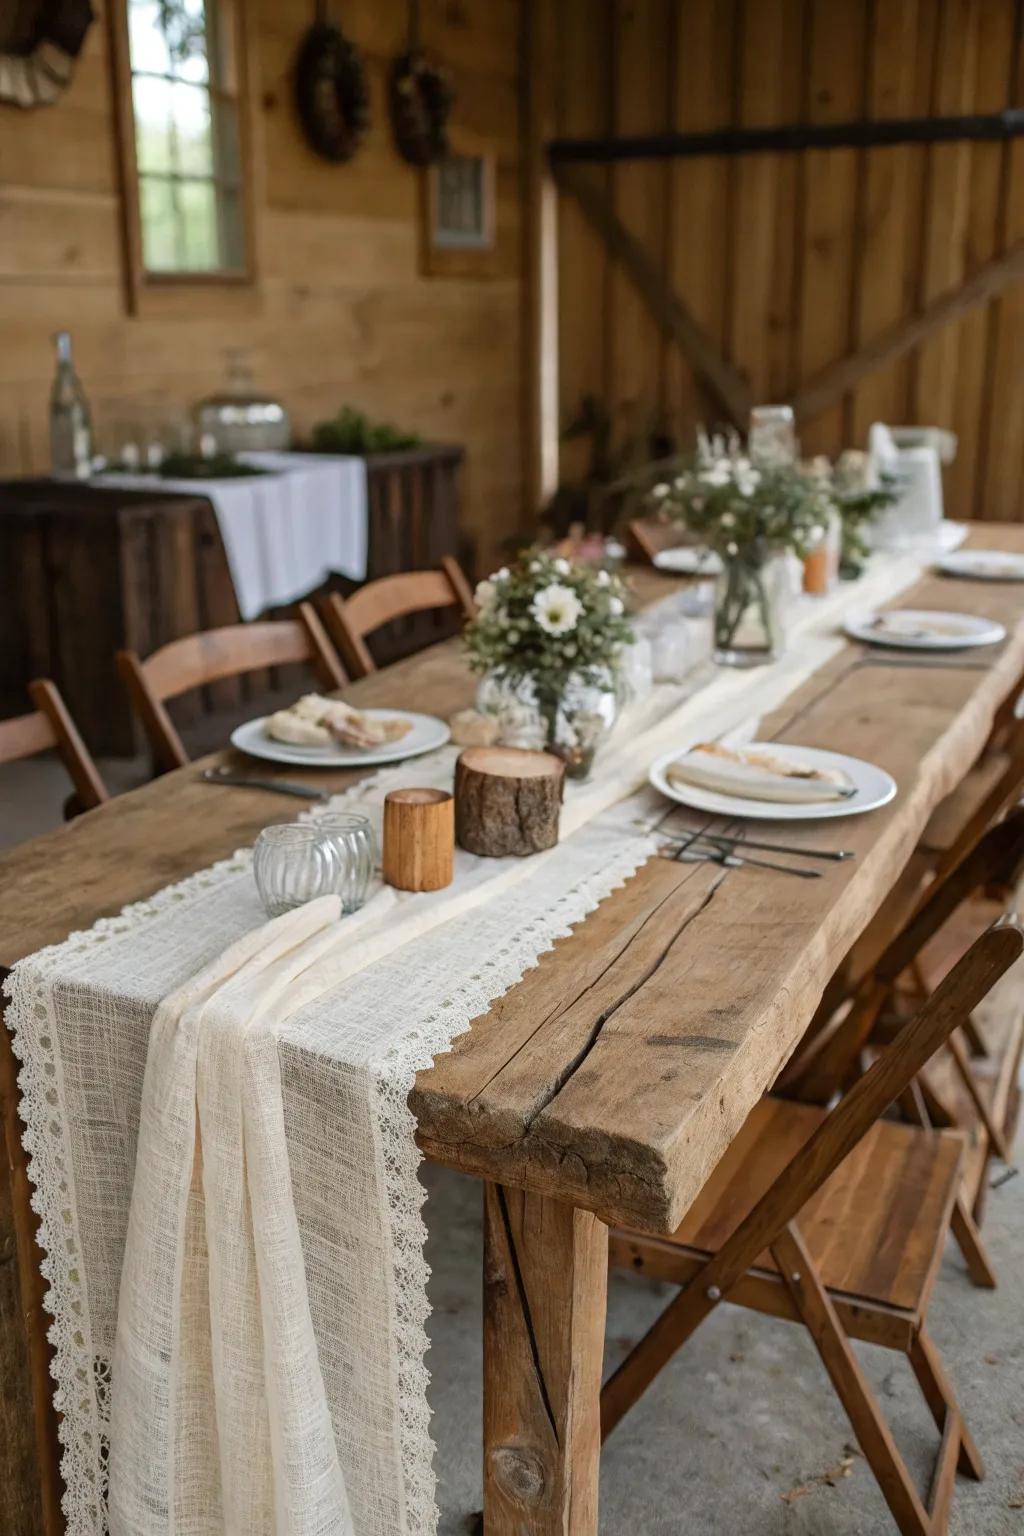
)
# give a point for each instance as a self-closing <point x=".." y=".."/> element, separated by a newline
<point x="570" y="719"/>
<point x="752" y="594"/>
<point x="577" y="719"/>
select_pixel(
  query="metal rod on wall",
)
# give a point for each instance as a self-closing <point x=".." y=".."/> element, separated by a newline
<point x="788" y="139"/>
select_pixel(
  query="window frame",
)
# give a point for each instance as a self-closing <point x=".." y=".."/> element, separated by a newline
<point x="175" y="293"/>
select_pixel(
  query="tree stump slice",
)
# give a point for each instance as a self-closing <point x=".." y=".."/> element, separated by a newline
<point x="419" y="839"/>
<point x="507" y="801"/>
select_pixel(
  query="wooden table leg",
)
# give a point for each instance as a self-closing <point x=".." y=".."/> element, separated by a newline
<point x="545" y="1296"/>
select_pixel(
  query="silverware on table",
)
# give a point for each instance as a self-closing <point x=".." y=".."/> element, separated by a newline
<point x="276" y="786"/>
<point x="700" y="852"/>
<point x="739" y="841"/>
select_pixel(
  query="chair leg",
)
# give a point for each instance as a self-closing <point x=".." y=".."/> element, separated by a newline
<point x="974" y="1036"/>
<point x="963" y="1228"/>
<point x="941" y="1400"/>
<point x="977" y="1098"/>
<point x="852" y="1388"/>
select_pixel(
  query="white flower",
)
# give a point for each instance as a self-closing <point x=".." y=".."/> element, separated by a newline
<point x="731" y="549"/>
<point x="603" y="579"/>
<point x="616" y="607"/>
<point x="501" y="575"/>
<point x="659" y="491"/>
<point x="727" y="519"/>
<point x="535" y="566"/>
<point x="561" y="567"/>
<point x="718" y="473"/>
<point x="556" y="609"/>
<point x="485" y="594"/>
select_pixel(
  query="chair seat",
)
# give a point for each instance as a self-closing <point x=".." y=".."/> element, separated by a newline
<point x="951" y="815"/>
<point x="875" y="1229"/>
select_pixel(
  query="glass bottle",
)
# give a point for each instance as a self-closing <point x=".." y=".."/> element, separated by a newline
<point x="70" y="427"/>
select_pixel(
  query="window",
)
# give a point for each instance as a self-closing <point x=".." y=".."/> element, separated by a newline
<point x="184" y="123"/>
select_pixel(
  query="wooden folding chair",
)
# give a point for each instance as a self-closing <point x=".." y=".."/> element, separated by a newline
<point x="971" y="1085"/>
<point x="349" y="620"/>
<point x="835" y="1219"/>
<point x="195" y="660"/>
<point x="50" y="725"/>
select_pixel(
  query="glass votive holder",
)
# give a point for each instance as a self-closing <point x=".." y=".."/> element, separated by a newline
<point x="353" y="848"/>
<point x="670" y="652"/>
<point x="293" y="864"/>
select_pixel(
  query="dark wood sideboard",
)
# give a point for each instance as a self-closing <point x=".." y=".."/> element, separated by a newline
<point x="86" y="570"/>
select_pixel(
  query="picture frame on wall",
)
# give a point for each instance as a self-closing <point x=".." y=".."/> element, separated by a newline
<point x="459" y="214"/>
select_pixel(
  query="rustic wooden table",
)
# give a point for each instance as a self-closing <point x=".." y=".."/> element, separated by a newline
<point x="603" y="1087"/>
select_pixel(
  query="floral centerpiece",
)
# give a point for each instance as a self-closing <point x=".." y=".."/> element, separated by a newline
<point x="752" y="513"/>
<point x="548" y="635"/>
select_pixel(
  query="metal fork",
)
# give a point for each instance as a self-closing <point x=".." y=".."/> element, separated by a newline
<point x="693" y="852"/>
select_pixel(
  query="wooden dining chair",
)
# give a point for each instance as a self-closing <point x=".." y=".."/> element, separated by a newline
<point x="196" y="660"/>
<point x="50" y="725"/>
<point x="349" y="620"/>
<point x="836" y="1220"/>
<point x="971" y="1083"/>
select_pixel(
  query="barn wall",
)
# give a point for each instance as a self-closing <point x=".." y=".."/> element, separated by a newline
<point x="340" y="312"/>
<point x="791" y="262"/>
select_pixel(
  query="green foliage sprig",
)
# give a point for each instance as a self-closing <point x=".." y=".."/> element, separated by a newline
<point x="547" y="620"/>
<point x="352" y="431"/>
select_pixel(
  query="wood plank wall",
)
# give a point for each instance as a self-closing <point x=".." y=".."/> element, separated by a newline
<point x="792" y="261"/>
<point x="340" y="312"/>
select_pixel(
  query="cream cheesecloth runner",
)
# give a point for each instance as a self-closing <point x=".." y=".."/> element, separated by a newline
<point x="225" y="1163"/>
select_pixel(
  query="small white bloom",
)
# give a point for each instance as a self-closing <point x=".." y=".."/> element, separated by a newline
<point x="535" y="566"/>
<point x="717" y="474"/>
<point x="561" y="566"/>
<point x="569" y="651"/>
<point x="659" y="491"/>
<point x="731" y="549"/>
<point x="501" y="575"/>
<point x="616" y="607"/>
<point x="512" y="636"/>
<point x="727" y="519"/>
<point x="602" y="578"/>
<point x="557" y="609"/>
<point x="485" y="594"/>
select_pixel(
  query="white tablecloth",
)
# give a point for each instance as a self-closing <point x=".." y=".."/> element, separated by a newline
<point x="284" y="533"/>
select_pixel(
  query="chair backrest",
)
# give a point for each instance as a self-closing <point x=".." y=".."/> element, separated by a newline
<point x="997" y="858"/>
<point x="50" y="725"/>
<point x="351" y="619"/>
<point x="1005" y="790"/>
<point x="892" y="1073"/>
<point x="213" y="654"/>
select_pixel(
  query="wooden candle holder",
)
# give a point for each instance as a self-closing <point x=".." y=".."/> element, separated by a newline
<point x="419" y="839"/>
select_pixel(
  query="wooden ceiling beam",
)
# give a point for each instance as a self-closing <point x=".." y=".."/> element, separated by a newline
<point x="830" y="383"/>
<point x="730" y="389"/>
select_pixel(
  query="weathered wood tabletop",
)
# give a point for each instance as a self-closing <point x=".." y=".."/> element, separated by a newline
<point x="614" y="1075"/>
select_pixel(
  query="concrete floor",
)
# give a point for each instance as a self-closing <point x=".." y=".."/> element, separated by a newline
<point x="742" y="1433"/>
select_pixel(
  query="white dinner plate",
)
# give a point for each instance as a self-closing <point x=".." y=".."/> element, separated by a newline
<point x="689" y="560"/>
<point x="983" y="565"/>
<point x="427" y="733"/>
<point x="873" y="787"/>
<point x="960" y="631"/>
